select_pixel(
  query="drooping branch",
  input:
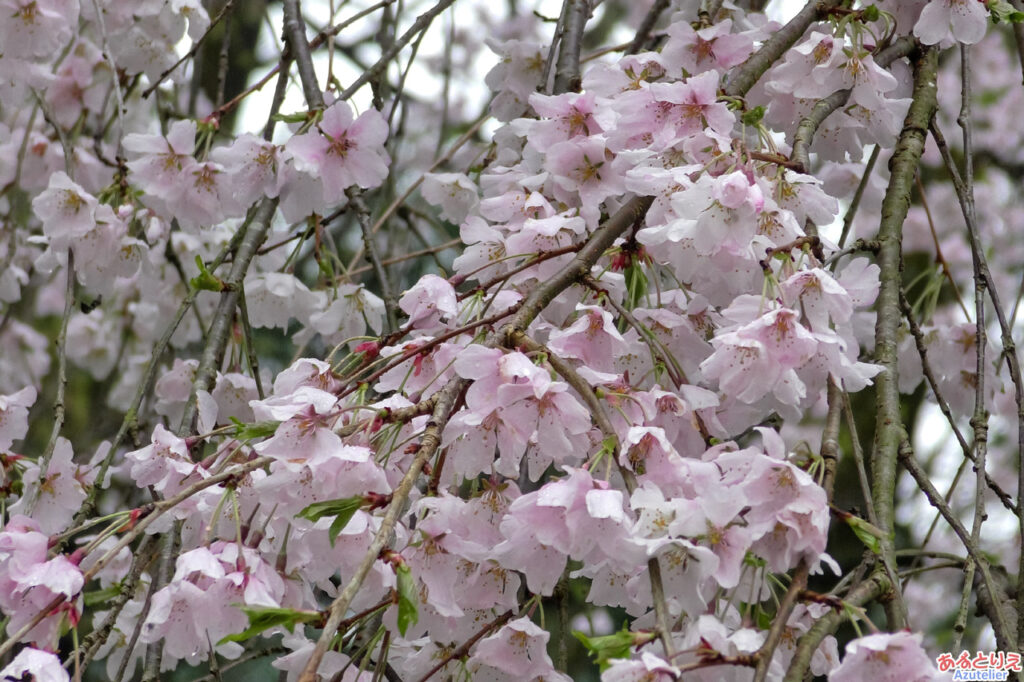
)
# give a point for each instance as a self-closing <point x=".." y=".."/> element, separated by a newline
<point x="889" y="430"/>
<point x="422" y="22"/>
<point x="295" y="36"/>
<point x="567" y="70"/>
<point x="823" y="108"/>
<point x="643" y="32"/>
<point x="876" y="585"/>
<point x="1006" y="638"/>
<point x="744" y="76"/>
<point x="220" y="326"/>
<point x="1006" y="332"/>
<point x="538" y="299"/>
<point x="429" y="443"/>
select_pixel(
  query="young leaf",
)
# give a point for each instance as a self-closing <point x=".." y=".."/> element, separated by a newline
<point x="263" y="429"/>
<point x="617" y="645"/>
<point x="297" y="117"/>
<point x="263" y="618"/>
<point x="1004" y="11"/>
<point x="98" y="597"/>
<point x="342" y="510"/>
<point x="636" y="284"/>
<point x="866" y="533"/>
<point x="753" y="116"/>
<point x="408" y="598"/>
<point x="205" y="280"/>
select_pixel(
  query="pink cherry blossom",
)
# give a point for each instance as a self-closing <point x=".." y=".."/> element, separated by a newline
<point x="943" y="20"/>
<point x="761" y="358"/>
<point x="30" y="581"/>
<point x="342" y="151"/>
<point x="40" y="666"/>
<point x="519" y="651"/>
<point x="35" y="28"/>
<point x="455" y="193"/>
<point x="164" y="166"/>
<point x="431" y="300"/>
<point x="886" y="657"/>
<point x="66" y="210"/>
<point x="14" y="415"/>
<point x="649" y="668"/>
<point x="565" y="117"/>
<point x="592" y="338"/>
<point x="714" y="47"/>
<point x="165" y="464"/>
<point x="251" y="166"/>
<point x="62" y="488"/>
<point x="275" y="298"/>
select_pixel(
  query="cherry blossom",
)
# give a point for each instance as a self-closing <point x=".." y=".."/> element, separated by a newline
<point x="516" y="652"/>
<point x="342" y="150"/>
<point x="14" y="415"/>
<point x="42" y="666"/>
<point x="886" y="656"/>
<point x="627" y="385"/>
<point x="959" y="20"/>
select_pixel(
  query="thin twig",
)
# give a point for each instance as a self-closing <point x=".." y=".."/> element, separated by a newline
<point x="59" y="402"/>
<point x="940" y="398"/>
<point x="643" y="32"/>
<point x="1006" y="639"/>
<point x="463" y="650"/>
<point x="421" y="24"/>
<point x="519" y="339"/>
<point x="370" y="248"/>
<point x="389" y="211"/>
<point x="851" y="210"/>
<point x="979" y="420"/>
<point x="188" y="55"/>
<point x="1009" y="346"/>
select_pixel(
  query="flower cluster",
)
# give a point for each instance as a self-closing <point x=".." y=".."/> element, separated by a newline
<point x="583" y="403"/>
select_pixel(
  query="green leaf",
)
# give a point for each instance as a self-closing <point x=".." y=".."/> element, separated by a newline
<point x="297" y="117"/>
<point x="408" y="598"/>
<point x="1004" y="11"/>
<point x="617" y="645"/>
<point x="98" y="597"/>
<point x="342" y="510"/>
<point x="636" y="284"/>
<point x="753" y="116"/>
<point x="870" y="535"/>
<point x="245" y="431"/>
<point x="263" y="618"/>
<point x="206" y="280"/>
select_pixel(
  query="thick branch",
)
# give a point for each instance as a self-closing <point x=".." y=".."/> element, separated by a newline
<point x="889" y="431"/>
<point x="220" y="327"/>
<point x="744" y="76"/>
<point x="824" y="107"/>
<point x="295" y="35"/>
<point x="876" y="585"/>
<point x="567" y="71"/>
